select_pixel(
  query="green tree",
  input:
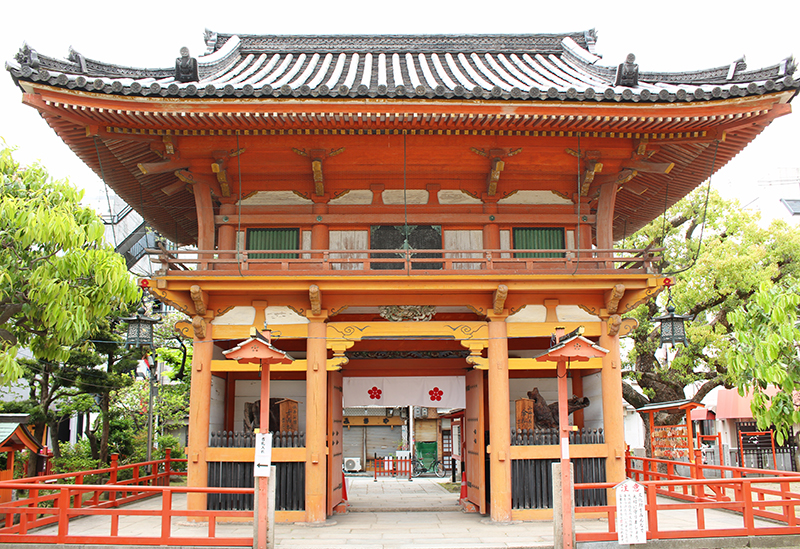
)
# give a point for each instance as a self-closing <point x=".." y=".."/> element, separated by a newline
<point x="57" y="276"/>
<point x="764" y="351"/>
<point x="714" y="276"/>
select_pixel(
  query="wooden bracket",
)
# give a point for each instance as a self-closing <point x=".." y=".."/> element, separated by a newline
<point x="175" y="163"/>
<point x="614" y="323"/>
<point x="498" y="165"/>
<point x="551" y="305"/>
<point x="218" y="168"/>
<point x="199" y="297"/>
<point x="613" y="296"/>
<point x="499" y="299"/>
<point x="315" y="298"/>
<point x="317" y="157"/>
<point x="592" y="167"/>
<point x="199" y="326"/>
<point x="192" y="178"/>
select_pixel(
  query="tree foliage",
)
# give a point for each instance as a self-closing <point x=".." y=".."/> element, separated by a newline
<point x="765" y="351"/>
<point x="57" y="276"/>
<point x="718" y="266"/>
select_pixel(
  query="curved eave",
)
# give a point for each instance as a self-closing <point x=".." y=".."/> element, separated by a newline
<point x="530" y="68"/>
<point x="694" y="136"/>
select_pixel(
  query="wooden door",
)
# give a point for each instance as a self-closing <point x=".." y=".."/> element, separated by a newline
<point x="335" y="475"/>
<point x="474" y="439"/>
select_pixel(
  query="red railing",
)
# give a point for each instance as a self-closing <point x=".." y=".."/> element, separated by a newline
<point x="751" y="494"/>
<point x="392" y="467"/>
<point x="401" y="262"/>
<point x="44" y="514"/>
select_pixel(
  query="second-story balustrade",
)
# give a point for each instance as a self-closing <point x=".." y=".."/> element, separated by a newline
<point x="406" y="262"/>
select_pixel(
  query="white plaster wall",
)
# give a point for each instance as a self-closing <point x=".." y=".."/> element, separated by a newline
<point x="634" y="429"/>
<point x="217" y="419"/>
<point x="593" y="390"/>
<point x="250" y="391"/>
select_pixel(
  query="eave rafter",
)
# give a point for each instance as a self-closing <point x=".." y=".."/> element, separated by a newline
<point x="673" y="121"/>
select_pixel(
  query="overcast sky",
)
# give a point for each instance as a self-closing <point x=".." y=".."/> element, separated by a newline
<point x="670" y="36"/>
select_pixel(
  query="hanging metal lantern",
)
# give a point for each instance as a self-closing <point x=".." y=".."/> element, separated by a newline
<point x="140" y="330"/>
<point x="672" y="326"/>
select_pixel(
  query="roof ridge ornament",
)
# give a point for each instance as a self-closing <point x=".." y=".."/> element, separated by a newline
<point x="210" y="38"/>
<point x="628" y="73"/>
<point x="186" y="67"/>
<point x="27" y="56"/>
<point x="591" y="40"/>
<point x="77" y="58"/>
<point x="736" y="66"/>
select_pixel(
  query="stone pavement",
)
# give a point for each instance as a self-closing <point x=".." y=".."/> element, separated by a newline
<point x="398" y="514"/>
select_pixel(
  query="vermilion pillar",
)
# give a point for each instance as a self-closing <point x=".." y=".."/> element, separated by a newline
<point x="499" y="421"/>
<point x="316" y="419"/>
<point x="204" y="205"/>
<point x="199" y="418"/>
<point x="226" y="234"/>
<point x="612" y="409"/>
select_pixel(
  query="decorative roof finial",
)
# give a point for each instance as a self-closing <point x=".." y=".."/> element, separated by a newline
<point x="628" y="73"/>
<point x="27" y="56"/>
<point x="210" y="38"/>
<point x="76" y="57"/>
<point x="186" y="67"/>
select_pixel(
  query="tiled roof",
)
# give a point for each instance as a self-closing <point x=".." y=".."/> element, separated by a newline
<point x="497" y="67"/>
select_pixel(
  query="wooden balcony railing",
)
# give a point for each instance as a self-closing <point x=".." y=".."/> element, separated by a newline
<point x="403" y="262"/>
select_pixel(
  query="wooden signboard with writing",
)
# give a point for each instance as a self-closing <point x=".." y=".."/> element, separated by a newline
<point x="524" y="413"/>
<point x="287" y="412"/>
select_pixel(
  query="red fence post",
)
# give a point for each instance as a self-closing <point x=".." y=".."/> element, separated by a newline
<point x="112" y="478"/>
<point x="63" y="514"/>
<point x="166" y="515"/>
<point x="747" y="509"/>
<point x="628" y="461"/>
<point x="652" y="512"/>
<point x="168" y="466"/>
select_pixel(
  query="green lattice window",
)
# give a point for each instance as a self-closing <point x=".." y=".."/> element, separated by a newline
<point x="545" y="238"/>
<point x="273" y="239"/>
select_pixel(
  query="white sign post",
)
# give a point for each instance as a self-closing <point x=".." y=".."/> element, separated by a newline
<point x="264" y="508"/>
<point x="263" y="454"/>
<point x="631" y="513"/>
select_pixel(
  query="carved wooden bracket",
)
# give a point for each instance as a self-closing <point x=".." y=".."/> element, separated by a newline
<point x="199" y="326"/>
<point x="475" y="350"/>
<point x="192" y="178"/>
<point x="499" y="299"/>
<point x="199" y="298"/>
<point x="315" y="298"/>
<point x="218" y="168"/>
<point x="614" y="323"/>
<point x="494" y="175"/>
<point x="175" y="163"/>
<point x="613" y="296"/>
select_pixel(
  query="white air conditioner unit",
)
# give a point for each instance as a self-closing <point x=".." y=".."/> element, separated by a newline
<point x="352" y="464"/>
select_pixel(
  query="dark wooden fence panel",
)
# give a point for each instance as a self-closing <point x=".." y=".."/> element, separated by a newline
<point x="532" y="482"/>
<point x="290" y="487"/>
<point x="545" y="437"/>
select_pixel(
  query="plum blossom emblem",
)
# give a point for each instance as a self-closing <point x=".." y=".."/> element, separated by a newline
<point x="436" y="394"/>
<point x="374" y="393"/>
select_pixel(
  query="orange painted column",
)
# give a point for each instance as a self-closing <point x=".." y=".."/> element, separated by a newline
<point x="491" y="236"/>
<point x="205" y="221"/>
<point x="199" y="418"/>
<point x="499" y="421"/>
<point x="316" y="418"/>
<point x="613" y="424"/>
<point x="226" y="234"/>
